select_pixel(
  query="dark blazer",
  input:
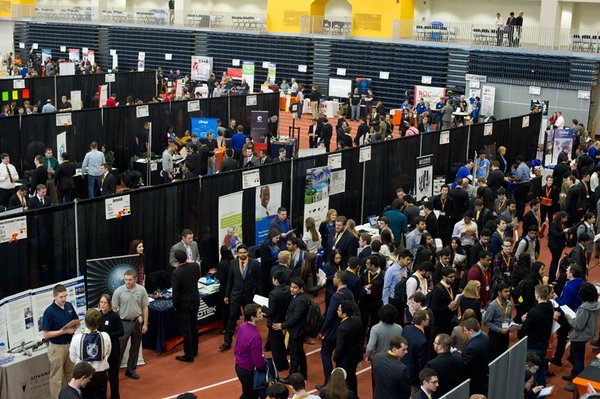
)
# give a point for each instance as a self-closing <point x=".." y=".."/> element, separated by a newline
<point x="109" y="185"/>
<point x="353" y="283"/>
<point x="537" y="327"/>
<point x="559" y="172"/>
<point x="578" y="256"/>
<point x="420" y="394"/>
<point x="476" y="358"/>
<point x="39" y="176"/>
<point x="449" y="367"/>
<point x="35" y="203"/>
<point x="495" y="180"/>
<point x="417" y="354"/>
<point x="390" y="377"/>
<point x="465" y="303"/>
<point x="228" y="164"/>
<point x="348" y="349"/>
<point x="63" y="176"/>
<point x="327" y="133"/>
<point x="193" y="163"/>
<point x="438" y="303"/>
<point x="461" y="202"/>
<point x="295" y="320"/>
<point x="237" y="285"/>
<point x="279" y="301"/>
<point x="14" y="202"/>
<point x="487" y="196"/>
<point x="364" y="254"/>
<point x="484" y="216"/>
<point x="557" y="239"/>
<point x="185" y="287"/>
<point x="347" y="244"/>
<point x="286" y="271"/>
<point x="113" y="326"/>
<point x="529" y="219"/>
<point x="331" y="322"/>
<point x="432" y="227"/>
<point x="67" y="392"/>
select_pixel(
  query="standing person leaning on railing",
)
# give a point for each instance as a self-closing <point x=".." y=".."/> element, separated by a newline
<point x="499" y="29"/>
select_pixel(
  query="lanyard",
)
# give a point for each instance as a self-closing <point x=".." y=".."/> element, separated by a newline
<point x="483" y="274"/>
<point x="548" y="191"/>
<point x="501" y="205"/>
<point x="374" y="277"/>
<point x="338" y="237"/>
<point x="449" y="291"/>
<point x="243" y="267"/>
<point x="443" y="201"/>
<point x="427" y="215"/>
<point x="506" y="261"/>
<point x="422" y="282"/>
<point x="504" y="310"/>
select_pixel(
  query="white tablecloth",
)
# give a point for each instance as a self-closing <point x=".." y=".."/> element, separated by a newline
<point x="26" y="377"/>
<point x="329" y="108"/>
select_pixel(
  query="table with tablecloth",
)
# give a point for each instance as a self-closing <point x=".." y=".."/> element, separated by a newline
<point x="288" y="145"/>
<point x="329" y="108"/>
<point x="591" y="376"/>
<point x="163" y="330"/>
<point x="25" y="377"/>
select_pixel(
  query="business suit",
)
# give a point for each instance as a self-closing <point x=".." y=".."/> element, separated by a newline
<point x="329" y="328"/>
<point x="349" y="348"/>
<point x="476" y="358"/>
<point x="460" y="199"/>
<point x="15" y="201"/>
<point x="186" y="301"/>
<point x="314" y="132"/>
<point x="529" y="219"/>
<point x="295" y="324"/>
<point x="296" y="263"/>
<point x="449" y="367"/>
<point x="250" y="162"/>
<point x="445" y="221"/>
<point x="346" y="243"/>
<point x="390" y="377"/>
<point x="39" y="176"/>
<point x="279" y="301"/>
<point x="417" y="354"/>
<point x="370" y="303"/>
<point x="227" y="165"/>
<point x="484" y="216"/>
<point x="431" y="224"/>
<point x="283" y="226"/>
<point x="63" y="179"/>
<point x="438" y="303"/>
<point x="420" y="394"/>
<point x="180" y="245"/>
<point x="326" y="134"/>
<point x="108" y="184"/>
<point x="240" y="291"/>
<point x="37" y="202"/>
<point x="68" y="392"/>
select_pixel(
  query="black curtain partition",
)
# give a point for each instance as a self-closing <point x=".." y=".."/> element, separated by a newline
<point x="159" y="213"/>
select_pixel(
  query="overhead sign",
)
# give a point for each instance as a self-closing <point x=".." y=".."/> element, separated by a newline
<point x="480" y="78"/>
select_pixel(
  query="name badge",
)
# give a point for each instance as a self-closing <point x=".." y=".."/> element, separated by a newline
<point x="106" y="323"/>
<point x="487" y="287"/>
<point x="442" y="213"/>
<point x="505" y="324"/>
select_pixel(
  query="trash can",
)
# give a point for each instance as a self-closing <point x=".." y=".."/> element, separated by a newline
<point x="436" y="33"/>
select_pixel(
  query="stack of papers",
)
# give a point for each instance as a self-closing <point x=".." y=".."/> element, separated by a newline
<point x="546" y="391"/>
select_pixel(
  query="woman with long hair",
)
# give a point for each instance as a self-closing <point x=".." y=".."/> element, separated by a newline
<point x="336" y="387"/>
<point x="137" y="247"/>
<point x="327" y="229"/>
<point x="526" y="290"/>
<point x="459" y="338"/>
<point x="312" y="238"/>
<point x="113" y="326"/>
<point x="425" y="245"/>
<point x="308" y="274"/>
<point x="269" y="249"/>
<point x="458" y="262"/>
<point x="223" y="276"/>
<point x="470" y="299"/>
<point x="351" y="226"/>
<point x="387" y="242"/>
<point x="330" y="268"/>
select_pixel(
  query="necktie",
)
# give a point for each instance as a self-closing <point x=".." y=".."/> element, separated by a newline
<point x="21" y="200"/>
<point x="102" y="182"/>
<point x="9" y="174"/>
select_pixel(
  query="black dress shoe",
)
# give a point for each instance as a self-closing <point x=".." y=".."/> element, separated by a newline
<point x="185" y="359"/>
<point x="224" y="346"/>
<point x="132" y="374"/>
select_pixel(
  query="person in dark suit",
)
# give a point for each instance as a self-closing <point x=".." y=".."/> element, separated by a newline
<point x="449" y="366"/>
<point x="431" y="221"/>
<point x="348" y="348"/>
<point x="112" y="325"/>
<point x="482" y="214"/>
<point x="429" y="384"/>
<point x="108" y="183"/>
<point x="353" y="281"/>
<point x="326" y="133"/>
<point x="331" y="322"/>
<point x="314" y="132"/>
<point x="40" y="200"/>
<point x="295" y="324"/>
<point x="297" y="258"/>
<point x="19" y="199"/>
<point x="343" y="240"/>
<point x="418" y="351"/>
<point x="389" y="374"/>
<point x="495" y="179"/>
<point x="187" y="244"/>
<point x="241" y="287"/>
<point x="476" y="357"/>
<point x="82" y="374"/>
<point x="460" y="200"/>
<point x="268" y="249"/>
<point x="371" y="301"/>
<point x="442" y="302"/>
<point x="229" y="163"/>
<point x="40" y="174"/>
<point x="279" y="301"/>
<point x="283" y="224"/>
<point x="571" y="202"/>
<point x="282" y="265"/>
<point x="250" y="160"/>
<point x="531" y="218"/>
<point x="364" y="247"/>
<point x="265" y="158"/>
<point x="186" y="301"/>
<point x="63" y="179"/>
<point x="193" y="160"/>
<point x="445" y="205"/>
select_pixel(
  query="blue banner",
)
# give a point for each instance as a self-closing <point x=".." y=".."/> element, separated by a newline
<point x="201" y="126"/>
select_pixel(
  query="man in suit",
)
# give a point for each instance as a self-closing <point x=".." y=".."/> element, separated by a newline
<point x="389" y="374"/>
<point x="460" y="200"/>
<point x="82" y="374"/>
<point x="19" y="199"/>
<point x="241" y="286"/>
<point x="282" y="265"/>
<point x="297" y="256"/>
<point x="326" y="133"/>
<point x="264" y="157"/>
<point x="108" y="183"/>
<point x="186" y="301"/>
<point x="482" y="214"/>
<point x="348" y="348"/>
<point x="279" y="301"/>
<point x="63" y="179"/>
<point x="283" y="224"/>
<point x="364" y="247"/>
<point x="449" y="366"/>
<point x="353" y="281"/>
<point x="442" y="302"/>
<point x="331" y="322"/>
<point x="250" y="160"/>
<point x="40" y="200"/>
<point x="188" y="245"/>
<point x="445" y="205"/>
<point x="476" y="357"/>
<point x="532" y="217"/>
<point x="418" y="351"/>
<point x="40" y="174"/>
<point x="295" y="324"/>
<point x="431" y="222"/>
<point x="429" y="384"/>
<point x="229" y="163"/>
<point x="343" y="239"/>
<point x="372" y="284"/>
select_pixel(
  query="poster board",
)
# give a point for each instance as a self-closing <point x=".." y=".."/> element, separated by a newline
<point x="339" y="87"/>
<point x="429" y="94"/>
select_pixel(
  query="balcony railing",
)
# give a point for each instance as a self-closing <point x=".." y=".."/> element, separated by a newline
<point x="328" y="26"/>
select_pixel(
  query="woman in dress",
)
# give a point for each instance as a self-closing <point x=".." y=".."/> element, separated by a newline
<point x="327" y="229"/>
<point x="112" y="325"/>
<point x="312" y="238"/>
<point x="269" y="249"/>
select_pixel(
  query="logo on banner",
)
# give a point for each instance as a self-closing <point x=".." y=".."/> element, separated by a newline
<point x="205" y="311"/>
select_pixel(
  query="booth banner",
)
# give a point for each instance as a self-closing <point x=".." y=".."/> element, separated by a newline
<point x="259" y="125"/>
<point x="555" y="141"/>
<point x="316" y="195"/>
<point x="248" y="73"/>
<point x="230" y="220"/>
<point x="61" y="145"/>
<point x="107" y="274"/>
<point x="91" y="57"/>
<point x="13" y="229"/>
<point x="103" y="90"/>
<point x="235" y="73"/>
<point x="63" y="119"/>
<point x="117" y="207"/>
<point x="74" y="54"/>
<point x="363" y="85"/>
<point x="76" y="102"/>
<point x="488" y="96"/>
<point x="115" y="61"/>
<point x="141" y="64"/>
<point x="201" y="67"/>
<point x="179" y="88"/>
<point x="429" y="94"/>
<point x="268" y="200"/>
<point x="250" y="178"/>
<point x="271" y="72"/>
<point x="46" y="55"/>
<point x="424" y="177"/>
<point x="201" y="126"/>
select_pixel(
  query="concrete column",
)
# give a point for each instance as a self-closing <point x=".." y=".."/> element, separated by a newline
<point x="550" y="14"/>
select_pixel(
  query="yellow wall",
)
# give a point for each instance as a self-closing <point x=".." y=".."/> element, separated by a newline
<point x="285" y="16"/>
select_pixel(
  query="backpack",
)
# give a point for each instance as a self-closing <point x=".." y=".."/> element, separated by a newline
<point x="499" y="278"/>
<point x="91" y="347"/>
<point x="400" y="290"/>
<point x="517" y="292"/>
<point x="314" y="319"/>
<point x="264" y="378"/>
<point x="572" y="234"/>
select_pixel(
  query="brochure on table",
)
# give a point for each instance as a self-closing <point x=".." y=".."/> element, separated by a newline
<point x="21" y="314"/>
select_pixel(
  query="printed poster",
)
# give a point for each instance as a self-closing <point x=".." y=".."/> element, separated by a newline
<point x="337" y="184"/>
<point x="230" y="220"/>
<point x="13" y="229"/>
<point x="201" y="127"/>
<point x="19" y="319"/>
<point x="117" y="207"/>
<point x="271" y="72"/>
<point x="268" y="200"/>
<point x="488" y="96"/>
<point x="74" y="54"/>
<point x="424" y="177"/>
<point x="201" y="68"/>
<point x="557" y="139"/>
<point x="105" y="275"/>
<point x="429" y="93"/>
<point x="61" y="145"/>
<point x="316" y="195"/>
<point x="259" y="124"/>
<point x="248" y="73"/>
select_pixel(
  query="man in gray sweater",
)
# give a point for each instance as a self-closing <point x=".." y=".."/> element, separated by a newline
<point x="497" y="318"/>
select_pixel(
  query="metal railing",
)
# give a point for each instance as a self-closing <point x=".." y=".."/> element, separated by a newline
<point x="328" y="26"/>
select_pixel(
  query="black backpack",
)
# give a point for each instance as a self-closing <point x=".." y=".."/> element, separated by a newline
<point x="400" y="290"/>
<point x="572" y="234"/>
<point x="314" y="319"/>
<point x="91" y="347"/>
